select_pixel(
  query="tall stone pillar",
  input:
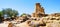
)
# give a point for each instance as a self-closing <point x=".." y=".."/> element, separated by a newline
<point x="39" y="11"/>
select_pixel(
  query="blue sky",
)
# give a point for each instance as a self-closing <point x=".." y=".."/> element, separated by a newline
<point x="28" y="6"/>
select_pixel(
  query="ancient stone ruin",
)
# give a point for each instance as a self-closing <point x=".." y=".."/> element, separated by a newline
<point x="39" y="11"/>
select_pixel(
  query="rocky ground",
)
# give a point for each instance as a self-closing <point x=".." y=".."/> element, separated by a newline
<point x="48" y="21"/>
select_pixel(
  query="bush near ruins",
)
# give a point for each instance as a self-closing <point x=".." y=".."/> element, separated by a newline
<point x="26" y="15"/>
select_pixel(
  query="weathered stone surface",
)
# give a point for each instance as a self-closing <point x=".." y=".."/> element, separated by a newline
<point x="10" y="25"/>
<point x="39" y="11"/>
<point x="41" y="26"/>
<point x="24" y="24"/>
<point x="53" y="25"/>
<point x="3" y="25"/>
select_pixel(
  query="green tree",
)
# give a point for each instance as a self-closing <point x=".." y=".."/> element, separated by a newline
<point x="9" y="12"/>
<point x="1" y="14"/>
<point x="1" y="17"/>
